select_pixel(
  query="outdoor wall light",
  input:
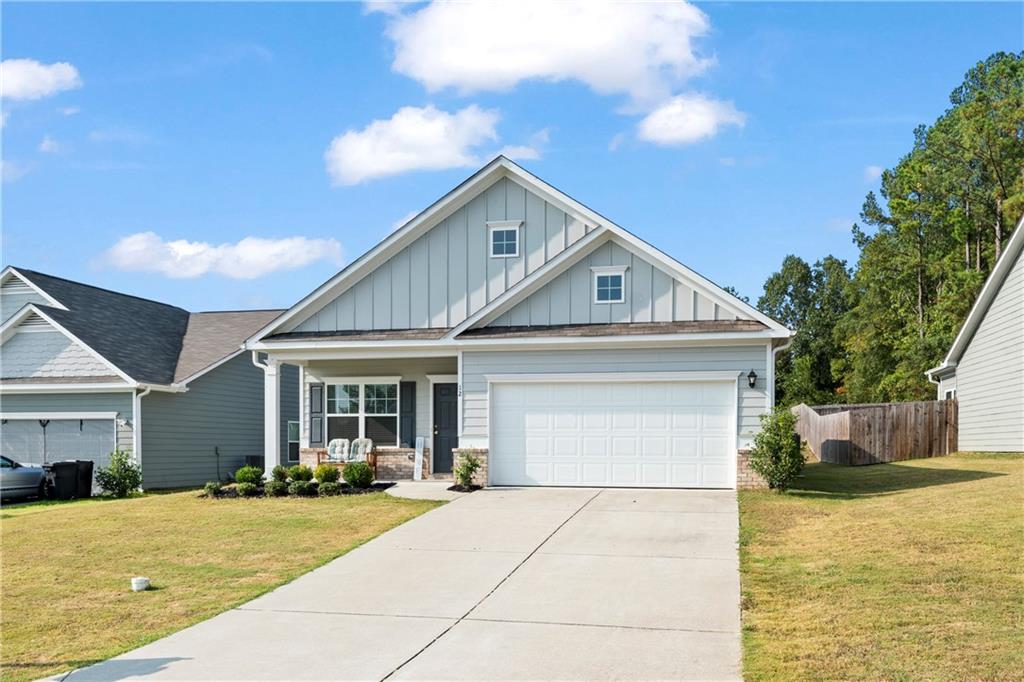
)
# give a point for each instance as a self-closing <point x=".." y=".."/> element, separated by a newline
<point x="752" y="379"/>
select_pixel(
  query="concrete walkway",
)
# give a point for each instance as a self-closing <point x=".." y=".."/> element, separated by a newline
<point x="525" y="584"/>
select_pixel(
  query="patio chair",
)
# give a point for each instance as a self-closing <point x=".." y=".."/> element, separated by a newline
<point x="361" y="450"/>
<point x="337" y="450"/>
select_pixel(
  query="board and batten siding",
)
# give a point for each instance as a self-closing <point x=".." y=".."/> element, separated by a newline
<point x="651" y="295"/>
<point x="448" y="274"/>
<point x="409" y="369"/>
<point x="990" y="374"/>
<point x="753" y="402"/>
<point x="222" y="409"/>
<point x="14" y="295"/>
<point x="47" y="354"/>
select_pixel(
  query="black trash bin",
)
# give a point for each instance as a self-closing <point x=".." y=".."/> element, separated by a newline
<point x="65" y="480"/>
<point x="84" y="487"/>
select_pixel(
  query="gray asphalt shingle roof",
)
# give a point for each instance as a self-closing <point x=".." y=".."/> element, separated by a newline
<point x="145" y="339"/>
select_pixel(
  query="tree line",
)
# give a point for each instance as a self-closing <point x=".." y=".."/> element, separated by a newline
<point x="927" y="242"/>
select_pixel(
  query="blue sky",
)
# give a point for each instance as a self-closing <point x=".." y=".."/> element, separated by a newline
<point x="174" y="151"/>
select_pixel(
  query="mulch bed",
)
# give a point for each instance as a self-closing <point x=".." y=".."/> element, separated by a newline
<point x="229" y="490"/>
<point x="465" y="489"/>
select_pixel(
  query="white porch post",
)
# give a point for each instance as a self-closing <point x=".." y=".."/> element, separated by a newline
<point x="271" y="415"/>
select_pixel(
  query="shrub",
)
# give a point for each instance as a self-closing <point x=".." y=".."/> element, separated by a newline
<point x="300" y="472"/>
<point x="330" y="488"/>
<point x="468" y="465"/>
<point x="301" y="488"/>
<point x="248" y="474"/>
<point x="358" y="474"/>
<point x="279" y="473"/>
<point x="212" y="488"/>
<point x="275" y="488"/>
<point x="325" y="473"/>
<point x="776" y="454"/>
<point x="247" y="489"/>
<point x="121" y="477"/>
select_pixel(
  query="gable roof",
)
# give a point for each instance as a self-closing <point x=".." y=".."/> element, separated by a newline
<point x="143" y="340"/>
<point x="450" y="202"/>
<point x="1012" y="251"/>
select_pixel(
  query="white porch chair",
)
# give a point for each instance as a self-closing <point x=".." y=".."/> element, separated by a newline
<point x="338" y="450"/>
<point x="360" y="450"/>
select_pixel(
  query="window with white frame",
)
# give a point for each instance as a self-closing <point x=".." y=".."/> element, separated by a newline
<point x="363" y="410"/>
<point x="504" y="238"/>
<point x="609" y="285"/>
<point x="293" y="441"/>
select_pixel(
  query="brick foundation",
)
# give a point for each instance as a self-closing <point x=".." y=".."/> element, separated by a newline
<point x="480" y="477"/>
<point x="392" y="464"/>
<point x="747" y="478"/>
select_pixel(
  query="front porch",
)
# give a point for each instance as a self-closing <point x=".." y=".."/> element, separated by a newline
<point x="409" y="407"/>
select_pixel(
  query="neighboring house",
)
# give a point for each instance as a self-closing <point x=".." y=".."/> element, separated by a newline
<point x="84" y="370"/>
<point x="984" y="369"/>
<point x="510" y="320"/>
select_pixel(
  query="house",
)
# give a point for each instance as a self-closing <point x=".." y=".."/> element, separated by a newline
<point x="84" y="370"/>
<point x="984" y="369"/>
<point x="510" y="321"/>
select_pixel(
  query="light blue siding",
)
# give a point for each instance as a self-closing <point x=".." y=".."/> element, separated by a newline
<point x="14" y="295"/>
<point x="447" y="274"/>
<point x="222" y="410"/>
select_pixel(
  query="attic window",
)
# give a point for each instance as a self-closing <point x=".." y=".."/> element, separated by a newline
<point x="609" y="284"/>
<point x="504" y="238"/>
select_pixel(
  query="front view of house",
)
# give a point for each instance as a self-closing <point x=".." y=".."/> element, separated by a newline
<point x="510" y="320"/>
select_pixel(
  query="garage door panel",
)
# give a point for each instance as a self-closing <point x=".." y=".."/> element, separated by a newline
<point x="66" y="439"/>
<point x="620" y="434"/>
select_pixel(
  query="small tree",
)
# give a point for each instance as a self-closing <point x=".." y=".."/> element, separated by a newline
<point x="776" y="454"/>
<point x="468" y="465"/>
<point x="121" y="477"/>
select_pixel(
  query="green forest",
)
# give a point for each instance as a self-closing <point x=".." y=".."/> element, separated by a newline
<point x="867" y="332"/>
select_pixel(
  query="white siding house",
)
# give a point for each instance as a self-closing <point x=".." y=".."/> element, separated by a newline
<point x="984" y="369"/>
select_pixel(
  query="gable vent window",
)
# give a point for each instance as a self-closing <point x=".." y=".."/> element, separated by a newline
<point x="609" y="284"/>
<point x="504" y="238"/>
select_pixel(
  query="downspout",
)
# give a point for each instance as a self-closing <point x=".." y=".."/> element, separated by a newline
<point x="137" y="425"/>
<point x="771" y="384"/>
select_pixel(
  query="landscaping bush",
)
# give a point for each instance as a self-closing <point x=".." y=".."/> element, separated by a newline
<point x="279" y="473"/>
<point x="212" y="488"/>
<point x="468" y="465"/>
<point x="121" y="477"/>
<point x="300" y="472"/>
<point x="248" y="474"/>
<point x="358" y="474"/>
<point x="325" y="473"/>
<point x="302" y="488"/>
<point x="275" y="488"/>
<point x="776" y="454"/>
<point x="247" y="489"/>
<point x="330" y="488"/>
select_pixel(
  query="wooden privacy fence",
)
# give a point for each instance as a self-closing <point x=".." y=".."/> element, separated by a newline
<point x="882" y="432"/>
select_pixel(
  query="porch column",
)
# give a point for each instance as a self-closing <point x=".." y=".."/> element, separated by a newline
<point x="271" y="415"/>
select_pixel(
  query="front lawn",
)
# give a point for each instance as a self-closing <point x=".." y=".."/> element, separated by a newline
<point x="66" y="567"/>
<point x="898" y="571"/>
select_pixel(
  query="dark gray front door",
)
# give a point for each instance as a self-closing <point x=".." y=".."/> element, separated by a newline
<point x="446" y="426"/>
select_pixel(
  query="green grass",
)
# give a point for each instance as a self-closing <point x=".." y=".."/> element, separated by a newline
<point x="908" y="571"/>
<point x="67" y="566"/>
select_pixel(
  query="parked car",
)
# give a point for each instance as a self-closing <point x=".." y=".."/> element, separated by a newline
<point x="21" y="480"/>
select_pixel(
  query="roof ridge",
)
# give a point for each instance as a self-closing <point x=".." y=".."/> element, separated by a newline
<point x="97" y="288"/>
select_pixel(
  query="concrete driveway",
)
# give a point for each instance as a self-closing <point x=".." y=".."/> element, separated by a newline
<point x="535" y="583"/>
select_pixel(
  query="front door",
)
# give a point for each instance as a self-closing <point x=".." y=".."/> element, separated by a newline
<point x="446" y="426"/>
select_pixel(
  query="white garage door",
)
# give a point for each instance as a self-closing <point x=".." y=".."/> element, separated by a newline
<point x="656" y="434"/>
<point x="23" y="440"/>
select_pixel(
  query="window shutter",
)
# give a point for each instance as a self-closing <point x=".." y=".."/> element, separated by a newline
<point x="316" y="415"/>
<point x="407" y="414"/>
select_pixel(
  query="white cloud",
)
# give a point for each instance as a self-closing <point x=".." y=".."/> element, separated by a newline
<point x="872" y="173"/>
<point x="249" y="258"/>
<point x="28" y="79"/>
<point x="11" y="171"/>
<point x="639" y="49"/>
<point x="413" y="139"/>
<point x="49" y="145"/>
<point x="530" y="151"/>
<point x="69" y="111"/>
<point x="688" y="118"/>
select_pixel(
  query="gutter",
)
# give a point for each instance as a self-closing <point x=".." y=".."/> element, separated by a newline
<point x="775" y="352"/>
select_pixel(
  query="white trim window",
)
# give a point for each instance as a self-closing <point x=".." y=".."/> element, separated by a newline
<point x="363" y="410"/>
<point x="504" y="238"/>
<point x="609" y="284"/>
<point x="293" y="441"/>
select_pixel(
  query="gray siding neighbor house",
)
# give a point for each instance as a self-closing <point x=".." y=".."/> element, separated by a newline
<point x="84" y="370"/>
<point x="984" y="369"/>
<point x="511" y="321"/>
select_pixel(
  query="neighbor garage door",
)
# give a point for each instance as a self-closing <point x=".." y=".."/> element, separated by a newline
<point x="650" y="434"/>
<point x="23" y="440"/>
